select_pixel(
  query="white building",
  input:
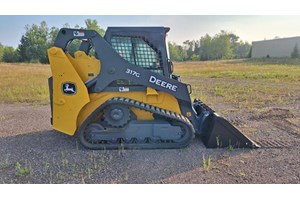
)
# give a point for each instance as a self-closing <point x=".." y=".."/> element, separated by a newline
<point x="282" y="47"/>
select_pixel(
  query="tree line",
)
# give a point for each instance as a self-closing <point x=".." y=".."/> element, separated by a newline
<point x="223" y="45"/>
<point x="38" y="38"/>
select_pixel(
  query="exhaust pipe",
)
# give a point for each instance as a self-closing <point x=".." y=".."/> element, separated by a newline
<point x="217" y="132"/>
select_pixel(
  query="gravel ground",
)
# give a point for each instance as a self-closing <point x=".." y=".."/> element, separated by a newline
<point x="31" y="152"/>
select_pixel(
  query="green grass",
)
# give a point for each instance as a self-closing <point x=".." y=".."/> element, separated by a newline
<point x="24" y="83"/>
<point x="243" y="83"/>
<point x="23" y="170"/>
<point x="206" y="163"/>
<point x="240" y="69"/>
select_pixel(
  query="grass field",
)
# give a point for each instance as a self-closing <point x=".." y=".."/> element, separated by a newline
<point x="241" y="83"/>
<point x="24" y="83"/>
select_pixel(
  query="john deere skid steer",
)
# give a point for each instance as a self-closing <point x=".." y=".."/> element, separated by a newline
<point x="120" y="90"/>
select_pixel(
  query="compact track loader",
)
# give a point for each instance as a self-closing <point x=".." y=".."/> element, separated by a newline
<point x="120" y="90"/>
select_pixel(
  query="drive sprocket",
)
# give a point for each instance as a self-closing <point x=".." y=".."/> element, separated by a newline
<point x="116" y="115"/>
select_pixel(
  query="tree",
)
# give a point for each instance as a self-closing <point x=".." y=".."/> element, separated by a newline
<point x="223" y="45"/>
<point x="52" y="36"/>
<point x="235" y="44"/>
<point x="194" y="57"/>
<point x="295" y="52"/>
<point x="182" y="53"/>
<point x="1" y="52"/>
<point x="92" y="24"/>
<point x="189" y="45"/>
<point x="34" y="43"/>
<point x="205" y="48"/>
<point x="197" y="49"/>
<point x="173" y="51"/>
<point x="10" y="55"/>
<point x="242" y="50"/>
<point x="177" y="52"/>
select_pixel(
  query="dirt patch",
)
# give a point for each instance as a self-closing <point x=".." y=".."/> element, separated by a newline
<point x="259" y="166"/>
<point x="281" y="118"/>
<point x="23" y="118"/>
<point x="31" y="152"/>
<point x="276" y="130"/>
<point x="274" y="113"/>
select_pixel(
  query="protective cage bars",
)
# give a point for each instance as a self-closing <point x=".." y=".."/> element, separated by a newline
<point x="138" y="52"/>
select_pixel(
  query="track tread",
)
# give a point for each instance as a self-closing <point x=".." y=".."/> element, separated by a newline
<point x="172" y="116"/>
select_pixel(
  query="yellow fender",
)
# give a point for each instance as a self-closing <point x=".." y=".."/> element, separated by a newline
<point x="69" y="99"/>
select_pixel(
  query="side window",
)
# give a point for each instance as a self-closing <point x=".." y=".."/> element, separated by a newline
<point x="138" y="52"/>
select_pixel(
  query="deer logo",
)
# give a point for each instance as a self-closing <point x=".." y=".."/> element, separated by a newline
<point x="69" y="88"/>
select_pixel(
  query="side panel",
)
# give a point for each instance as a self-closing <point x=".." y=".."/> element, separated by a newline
<point x="67" y="100"/>
<point x="162" y="100"/>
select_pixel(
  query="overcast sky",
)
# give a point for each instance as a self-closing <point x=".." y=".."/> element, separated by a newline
<point x="248" y="28"/>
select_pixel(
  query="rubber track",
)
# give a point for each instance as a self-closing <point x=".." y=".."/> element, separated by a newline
<point x="143" y="106"/>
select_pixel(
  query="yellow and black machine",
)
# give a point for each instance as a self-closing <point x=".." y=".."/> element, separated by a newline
<point x="120" y="90"/>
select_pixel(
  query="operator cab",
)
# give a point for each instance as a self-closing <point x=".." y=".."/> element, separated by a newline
<point x="142" y="46"/>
